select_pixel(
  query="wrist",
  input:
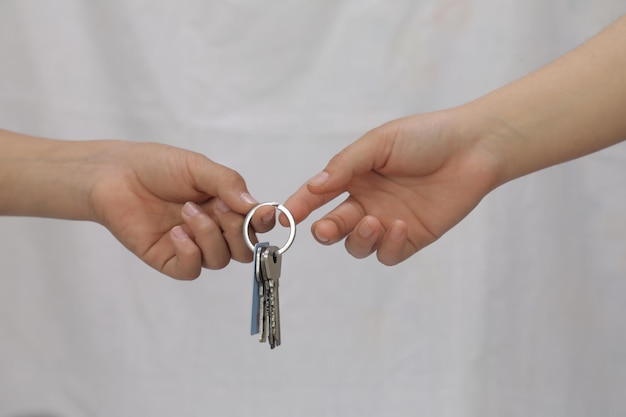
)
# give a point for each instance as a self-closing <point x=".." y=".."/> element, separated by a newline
<point x="512" y="133"/>
<point x="481" y="141"/>
<point x="108" y="171"/>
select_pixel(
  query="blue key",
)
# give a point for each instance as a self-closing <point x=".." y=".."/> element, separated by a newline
<point x="257" y="314"/>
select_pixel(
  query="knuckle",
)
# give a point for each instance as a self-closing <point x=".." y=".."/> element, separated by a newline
<point x="232" y="224"/>
<point x="197" y="159"/>
<point x="239" y="251"/>
<point x="217" y="262"/>
<point x="204" y="225"/>
<point x="339" y="223"/>
<point x="230" y="176"/>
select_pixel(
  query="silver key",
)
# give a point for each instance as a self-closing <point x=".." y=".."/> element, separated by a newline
<point x="265" y="303"/>
<point x="271" y="261"/>
<point x="264" y="300"/>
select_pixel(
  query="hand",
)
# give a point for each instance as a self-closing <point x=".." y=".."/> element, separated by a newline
<point x="175" y="209"/>
<point x="408" y="181"/>
<point x="411" y="180"/>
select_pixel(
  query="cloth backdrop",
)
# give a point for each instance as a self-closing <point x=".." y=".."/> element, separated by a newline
<point x="517" y="311"/>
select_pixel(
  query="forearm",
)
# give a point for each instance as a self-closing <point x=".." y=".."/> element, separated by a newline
<point x="45" y="177"/>
<point x="570" y="108"/>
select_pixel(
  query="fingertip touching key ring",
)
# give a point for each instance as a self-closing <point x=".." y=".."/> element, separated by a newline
<point x="285" y="211"/>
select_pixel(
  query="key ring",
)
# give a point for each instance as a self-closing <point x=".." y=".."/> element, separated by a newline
<point x="286" y="212"/>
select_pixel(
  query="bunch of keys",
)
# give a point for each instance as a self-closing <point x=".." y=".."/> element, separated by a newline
<point x="267" y="264"/>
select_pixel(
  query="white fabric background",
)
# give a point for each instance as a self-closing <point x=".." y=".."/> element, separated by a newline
<point x="518" y="311"/>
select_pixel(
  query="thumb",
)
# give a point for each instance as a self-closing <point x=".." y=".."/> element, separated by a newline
<point x="367" y="153"/>
<point x="219" y="181"/>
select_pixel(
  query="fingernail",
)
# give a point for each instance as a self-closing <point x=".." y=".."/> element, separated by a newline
<point x="365" y="230"/>
<point x="179" y="233"/>
<point x="247" y="198"/>
<point x="319" y="179"/>
<point x="221" y="206"/>
<point x="191" y="209"/>
<point x="320" y="238"/>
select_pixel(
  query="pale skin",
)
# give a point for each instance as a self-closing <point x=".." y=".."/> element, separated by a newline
<point x="410" y="180"/>
<point x="175" y="209"/>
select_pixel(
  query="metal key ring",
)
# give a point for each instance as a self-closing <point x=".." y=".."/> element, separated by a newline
<point x="286" y="212"/>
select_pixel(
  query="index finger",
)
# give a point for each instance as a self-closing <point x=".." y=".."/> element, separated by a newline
<point x="365" y="154"/>
<point x="303" y="202"/>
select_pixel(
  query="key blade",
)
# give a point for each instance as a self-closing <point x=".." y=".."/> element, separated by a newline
<point x="256" y="288"/>
<point x="264" y="300"/>
<point x="272" y="262"/>
<point x="276" y="328"/>
<point x="275" y="315"/>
